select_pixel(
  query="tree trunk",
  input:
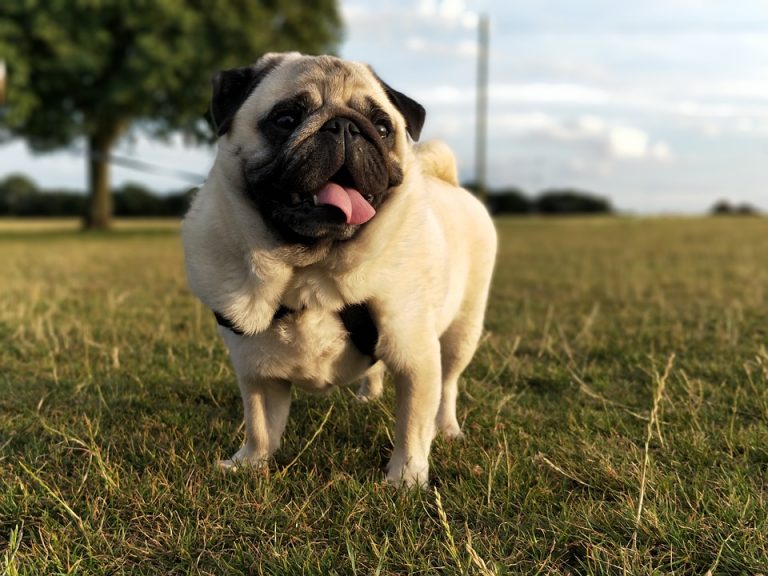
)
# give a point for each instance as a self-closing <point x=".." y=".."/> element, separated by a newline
<point x="98" y="214"/>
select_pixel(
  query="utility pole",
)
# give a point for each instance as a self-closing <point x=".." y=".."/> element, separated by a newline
<point x="481" y="112"/>
<point x="2" y="82"/>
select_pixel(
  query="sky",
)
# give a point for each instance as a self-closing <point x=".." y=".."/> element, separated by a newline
<point x="660" y="106"/>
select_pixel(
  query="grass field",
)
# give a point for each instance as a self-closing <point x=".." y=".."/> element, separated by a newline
<point x="616" y="418"/>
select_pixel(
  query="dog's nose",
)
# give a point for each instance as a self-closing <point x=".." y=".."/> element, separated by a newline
<point x="341" y="126"/>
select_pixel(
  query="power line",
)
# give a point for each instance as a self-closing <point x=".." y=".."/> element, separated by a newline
<point x="147" y="167"/>
<point x="481" y="113"/>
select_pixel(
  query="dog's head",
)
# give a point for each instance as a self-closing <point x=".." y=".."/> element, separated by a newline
<point x="319" y="142"/>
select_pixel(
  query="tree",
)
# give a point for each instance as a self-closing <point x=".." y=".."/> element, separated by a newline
<point x="15" y="190"/>
<point x="80" y="68"/>
<point x="136" y="200"/>
<point x="722" y="207"/>
<point x="508" y="201"/>
<point x="19" y="196"/>
<point x="725" y="208"/>
<point x="568" y="201"/>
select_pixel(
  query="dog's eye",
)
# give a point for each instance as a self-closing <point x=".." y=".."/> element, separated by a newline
<point x="383" y="129"/>
<point x="286" y="120"/>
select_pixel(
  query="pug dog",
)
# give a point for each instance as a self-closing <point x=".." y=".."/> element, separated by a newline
<point x="331" y="248"/>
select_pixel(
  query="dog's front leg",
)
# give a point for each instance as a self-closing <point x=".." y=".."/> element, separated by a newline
<point x="417" y="398"/>
<point x="266" y="404"/>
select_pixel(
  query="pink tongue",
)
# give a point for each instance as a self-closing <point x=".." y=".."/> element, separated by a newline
<point x="355" y="208"/>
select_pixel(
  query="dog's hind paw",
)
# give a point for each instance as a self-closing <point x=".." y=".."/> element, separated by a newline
<point x="368" y="392"/>
<point x="227" y="465"/>
<point x="372" y="385"/>
<point x="452" y="433"/>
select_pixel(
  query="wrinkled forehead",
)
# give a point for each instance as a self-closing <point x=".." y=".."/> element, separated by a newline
<point x="324" y="80"/>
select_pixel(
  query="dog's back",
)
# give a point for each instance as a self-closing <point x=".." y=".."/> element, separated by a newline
<point x="467" y="232"/>
<point x="437" y="159"/>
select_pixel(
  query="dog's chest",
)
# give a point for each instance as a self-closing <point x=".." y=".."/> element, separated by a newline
<point x="309" y="348"/>
<point x="321" y="336"/>
<point x="313" y="288"/>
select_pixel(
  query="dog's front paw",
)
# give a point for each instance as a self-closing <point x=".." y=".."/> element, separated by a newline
<point x="410" y="474"/>
<point x="243" y="458"/>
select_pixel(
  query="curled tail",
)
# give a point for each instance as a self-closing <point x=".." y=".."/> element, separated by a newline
<point x="436" y="159"/>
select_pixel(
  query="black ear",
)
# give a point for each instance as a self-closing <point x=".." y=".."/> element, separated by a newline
<point x="412" y="111"/>
<point x="231" y="88"/>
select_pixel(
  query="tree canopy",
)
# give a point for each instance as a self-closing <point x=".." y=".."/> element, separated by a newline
<point x="93" y="68"/>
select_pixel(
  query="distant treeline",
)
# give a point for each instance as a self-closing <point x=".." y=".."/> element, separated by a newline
<point x="726" y="208"/>
<point x="555" y="201"/>
<point x="19" y="196"/>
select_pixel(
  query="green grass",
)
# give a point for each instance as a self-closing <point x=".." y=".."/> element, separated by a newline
<point x="623" y="357"/>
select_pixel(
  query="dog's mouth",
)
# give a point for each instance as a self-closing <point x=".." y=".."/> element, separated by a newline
<point x="356" y="209"/>
<point x="339" y="200"/>
<point x="315" y="195"/>
<point x="340" y="193"/>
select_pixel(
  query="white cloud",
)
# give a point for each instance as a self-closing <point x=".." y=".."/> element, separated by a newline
<point x="545" y="92"/>
<point x="604" y="138"/>
<point x="704" y="110"/>
<point x="628" y="142"/>
<point x="444" y="94"/>
<point x="425" y="14"/>
<point x="467" y="48"/>
<point x="739" y="88"/>
<point x="531" y="93"/>
<point x="470" y="20"/>
<point x="529" y="122"/>
<point x="631" y="143"/>
<point x="427" y="8"/>
<point x="416" y="44"/>
<point x="594" y="96"/>
<point x="661" y="152"/>
<point x="450" y="11"/>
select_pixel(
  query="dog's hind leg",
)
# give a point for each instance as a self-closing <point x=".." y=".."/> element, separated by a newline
<point x="457" y="346"/>
<point x="372" y="385"/>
